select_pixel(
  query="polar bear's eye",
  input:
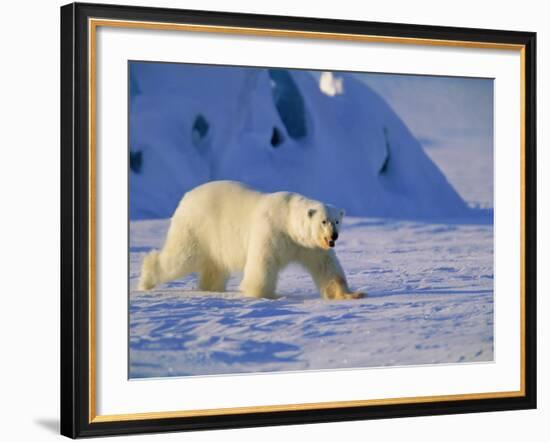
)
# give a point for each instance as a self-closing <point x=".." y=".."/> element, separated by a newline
<point x="337" y="222"/>
<point x="324" y="221"/>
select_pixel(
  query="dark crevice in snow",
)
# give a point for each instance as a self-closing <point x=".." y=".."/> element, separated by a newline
<point x="386" y="161"/>
<point x="277" y="137"/>
<point x="136" y="161"/>
<point x="289" y="103"/>
<point x="200" y="129"/>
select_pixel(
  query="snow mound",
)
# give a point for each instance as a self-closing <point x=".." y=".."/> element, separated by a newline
<point x="276" y="129"/>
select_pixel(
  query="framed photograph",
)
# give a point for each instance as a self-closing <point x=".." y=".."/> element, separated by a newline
<point x="274" y="220"/>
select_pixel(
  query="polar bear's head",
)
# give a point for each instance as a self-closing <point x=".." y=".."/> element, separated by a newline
<point x="324" y="223"/>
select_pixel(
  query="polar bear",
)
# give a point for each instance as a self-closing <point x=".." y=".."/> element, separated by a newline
<point x="224" y="226"/>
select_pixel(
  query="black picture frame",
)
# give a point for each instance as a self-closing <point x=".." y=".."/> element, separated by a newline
<point x="75" y="221"/>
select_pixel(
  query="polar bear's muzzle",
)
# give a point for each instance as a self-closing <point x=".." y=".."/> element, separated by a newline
<point x="330" y="241"/>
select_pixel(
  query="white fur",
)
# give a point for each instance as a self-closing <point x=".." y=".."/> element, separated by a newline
<point x="224" y="227"/>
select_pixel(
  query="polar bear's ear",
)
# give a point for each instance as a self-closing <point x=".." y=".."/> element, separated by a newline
<point x="311" y="212"/>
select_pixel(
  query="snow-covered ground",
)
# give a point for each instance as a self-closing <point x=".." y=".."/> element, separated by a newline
<point x="430" y="301"/>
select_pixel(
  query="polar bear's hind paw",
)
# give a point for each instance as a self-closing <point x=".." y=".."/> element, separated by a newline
<point x="149" y="270"/>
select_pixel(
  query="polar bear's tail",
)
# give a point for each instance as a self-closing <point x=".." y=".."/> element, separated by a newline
<point x="149" y="271"/>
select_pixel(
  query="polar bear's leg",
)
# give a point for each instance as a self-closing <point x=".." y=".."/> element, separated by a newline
<point x="149" y="271"/>
<point x="159" y="267"/>
<point x="260" y="274"/>
<point x="328" y="275"/>
<point x="211" y="278"/>
<point x="259" y="280"/>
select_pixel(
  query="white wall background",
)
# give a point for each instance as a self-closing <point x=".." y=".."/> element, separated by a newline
<point x="29" y="233"/>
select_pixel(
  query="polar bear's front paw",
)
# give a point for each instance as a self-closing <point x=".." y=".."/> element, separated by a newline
<point x="337" y="289"/>
<point x="354" y="295"/>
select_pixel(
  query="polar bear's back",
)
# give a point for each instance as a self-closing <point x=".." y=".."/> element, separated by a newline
<point x="218" y="196"/>
<point x="221" y="198"/>
<point x="216" y="218"/>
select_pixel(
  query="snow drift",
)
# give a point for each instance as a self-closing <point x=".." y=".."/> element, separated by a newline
<point x="276" y="129"/>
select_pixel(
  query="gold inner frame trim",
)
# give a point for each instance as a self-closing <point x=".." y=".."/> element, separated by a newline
<point x="298" y="34"/>
<point x="305" y="406"/>
<point x="93" y="24"/>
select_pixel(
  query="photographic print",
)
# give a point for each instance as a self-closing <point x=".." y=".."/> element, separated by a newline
<point x="287" y="220"/>
<point x="273" y="220"/>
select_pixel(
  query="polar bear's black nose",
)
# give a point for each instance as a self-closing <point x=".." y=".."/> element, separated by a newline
<point x="334" y="236"/>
